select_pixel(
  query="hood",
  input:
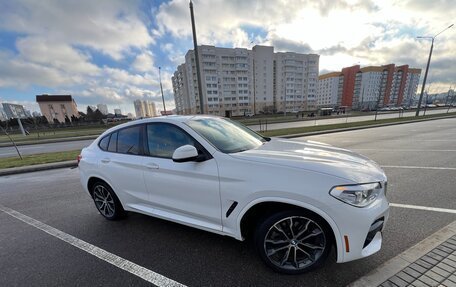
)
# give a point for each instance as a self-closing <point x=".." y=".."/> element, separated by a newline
<point x="317" y="157"/>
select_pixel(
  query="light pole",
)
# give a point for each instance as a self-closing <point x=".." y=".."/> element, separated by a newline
<point x="161" y="88"/>
<point x="427" y="66"/>
<point x="198" y="72"/>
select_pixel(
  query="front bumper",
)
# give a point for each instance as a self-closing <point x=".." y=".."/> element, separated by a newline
<point x="360" y="229"/>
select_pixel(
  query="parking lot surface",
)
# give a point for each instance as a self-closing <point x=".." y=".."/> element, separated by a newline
<point x="419" y="159"/>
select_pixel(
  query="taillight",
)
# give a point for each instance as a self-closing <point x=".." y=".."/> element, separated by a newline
<point x="78" y="158"/>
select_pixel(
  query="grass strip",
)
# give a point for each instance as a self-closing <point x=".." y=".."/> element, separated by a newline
<point x="299" y="130"/>
<point x="41" y="158"/>
<point x="19" y="138"/>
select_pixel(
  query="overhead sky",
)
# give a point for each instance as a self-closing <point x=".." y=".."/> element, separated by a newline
<point x="109" y="51"/>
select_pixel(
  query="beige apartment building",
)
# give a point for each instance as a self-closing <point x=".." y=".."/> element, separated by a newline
<point x="145" y="109"/>
<point x="57" y="107"/>
<point x="237" y="81"/>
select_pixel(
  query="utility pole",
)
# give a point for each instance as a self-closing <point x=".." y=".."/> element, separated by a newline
<point x="427" y="67"/>
<point x="198" y="73"/>
<point x="161" y="88"/>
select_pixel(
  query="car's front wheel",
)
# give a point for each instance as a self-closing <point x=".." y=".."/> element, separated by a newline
<point x="293" y="242"/>
<point x="106" y="201"/>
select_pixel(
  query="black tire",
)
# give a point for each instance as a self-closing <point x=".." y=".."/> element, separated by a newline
<point x="304" y="249"/>
<point x="106" y="201"/>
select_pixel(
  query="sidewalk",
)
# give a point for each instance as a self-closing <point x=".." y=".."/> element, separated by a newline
<point x="432" y="262"/>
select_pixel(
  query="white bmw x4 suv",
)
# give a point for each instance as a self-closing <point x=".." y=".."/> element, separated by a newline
<point x="295" y="199"/>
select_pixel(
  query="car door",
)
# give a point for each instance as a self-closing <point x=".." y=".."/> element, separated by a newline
<point x="122" y="164"/>
<point x="187" y="192"/>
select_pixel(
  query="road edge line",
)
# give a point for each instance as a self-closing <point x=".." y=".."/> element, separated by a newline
<point x="396" y="264"/>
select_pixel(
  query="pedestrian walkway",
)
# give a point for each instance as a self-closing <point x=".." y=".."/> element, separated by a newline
<point x="431" y="262"/>
<point x="436" y="268"/>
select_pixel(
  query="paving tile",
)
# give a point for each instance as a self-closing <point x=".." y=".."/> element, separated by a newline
<point x="440" y="271"/>
<point x="404" y="276"/>
<point x="446" y="267"/>
<point x="436" y="256"/>
<point x="449" y="262"/>
<point x="418" y="268"/>
<point x="418" y="283"/>
<point x="434" y="276"/>
<point x="440" y="253"/>
<point x="448" y="283"/>
<point x="449" y="245"/>
<point x="412" y="272"/>
<point x="430" y="260"/>
<point x="428" y="281"/>
<point x="427" y="262"/>
<point x="452" y="278"/>
<point x="452" y="257"/>
<point x="398" y="281"/>
<point x="388" y="284"/>
<point x="445" y="249"/>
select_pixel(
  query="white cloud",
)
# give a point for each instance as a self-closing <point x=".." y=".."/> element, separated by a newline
<point x="18" y="73"/>
<point x="57" y="55"/>
<point x="144" y="62"/>
<point x="343" y="32"/>
<point x="111" y="27"/>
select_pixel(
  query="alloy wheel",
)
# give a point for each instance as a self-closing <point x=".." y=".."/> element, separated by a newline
<point x="294" y="243"/>
<point x="104" y="201"/>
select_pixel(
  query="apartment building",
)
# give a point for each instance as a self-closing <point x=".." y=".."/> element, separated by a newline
<point x="370" y="87"/>
<point x="145" y="109"/>
<point x="327" y="91"/>
<point x="239" y="81"/>
<point x="57" y="107"/>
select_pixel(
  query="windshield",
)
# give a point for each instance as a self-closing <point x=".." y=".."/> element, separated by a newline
<point x="227" y="136"/>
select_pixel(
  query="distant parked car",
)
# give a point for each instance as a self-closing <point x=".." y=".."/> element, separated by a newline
<point x="295" y="200"/>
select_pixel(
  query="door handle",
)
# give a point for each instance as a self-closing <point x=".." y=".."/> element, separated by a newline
<point x="151" y="165"/>
<point x="105" y="160"/>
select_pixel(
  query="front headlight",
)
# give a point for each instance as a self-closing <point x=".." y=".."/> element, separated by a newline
<point x="360" y="195"/>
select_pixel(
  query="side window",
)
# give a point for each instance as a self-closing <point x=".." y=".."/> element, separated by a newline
<point x="112" y="147"/>
<point x="104" y="143"/>
<point x="164" y="139"/>
<point x="128" y="140"/>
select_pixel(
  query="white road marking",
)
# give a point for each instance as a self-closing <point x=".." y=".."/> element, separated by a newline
<point x="141" y="272"/>
<point x="427" y="208"/>
<point x="419" y="167"/>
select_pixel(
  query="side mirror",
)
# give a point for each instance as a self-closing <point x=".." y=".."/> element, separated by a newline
<point x="185" y="153"/>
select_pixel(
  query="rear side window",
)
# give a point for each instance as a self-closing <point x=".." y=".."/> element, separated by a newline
<point x="104" y="143"/>
<point x="112" y="147"/>
<point x="128" y="140"/>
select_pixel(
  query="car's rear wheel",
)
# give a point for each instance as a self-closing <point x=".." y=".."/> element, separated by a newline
<point x="293" y="242"/>
<point x="106" y="201"/>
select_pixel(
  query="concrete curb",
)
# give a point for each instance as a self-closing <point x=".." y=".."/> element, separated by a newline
<point x="38" y="167"/>
<point x="361" y="127"/>
<point x="396" y="264"/>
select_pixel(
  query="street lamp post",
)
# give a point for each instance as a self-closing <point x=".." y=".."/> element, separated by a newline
<point x="161" y="88"/>
<point x="198" y="72"/>
<point x="427" y="67"/>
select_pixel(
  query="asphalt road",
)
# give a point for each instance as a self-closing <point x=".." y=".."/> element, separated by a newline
<point x="411" y="155"/>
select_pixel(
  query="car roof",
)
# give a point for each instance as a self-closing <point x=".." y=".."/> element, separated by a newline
<point x="168" y="119"/>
